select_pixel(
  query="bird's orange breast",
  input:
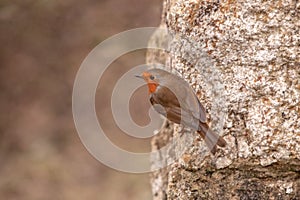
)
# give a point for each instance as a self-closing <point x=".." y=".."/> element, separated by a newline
<point x="152" y="87"/>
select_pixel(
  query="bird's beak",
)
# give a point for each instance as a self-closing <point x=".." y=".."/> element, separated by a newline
<point x="139" y="76"/>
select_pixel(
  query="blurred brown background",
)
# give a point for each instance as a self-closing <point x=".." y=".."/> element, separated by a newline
<point x="42" y="46"/>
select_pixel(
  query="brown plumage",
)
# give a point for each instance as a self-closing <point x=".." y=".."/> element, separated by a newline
<point x="172" y="97"/>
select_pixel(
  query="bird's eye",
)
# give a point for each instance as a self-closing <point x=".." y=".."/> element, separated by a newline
<point x="152" y="77"/>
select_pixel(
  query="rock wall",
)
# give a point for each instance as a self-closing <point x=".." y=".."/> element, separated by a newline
<point x="243" y="60"/>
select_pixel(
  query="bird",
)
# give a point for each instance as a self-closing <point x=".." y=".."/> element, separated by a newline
<point x="172" y="97"/>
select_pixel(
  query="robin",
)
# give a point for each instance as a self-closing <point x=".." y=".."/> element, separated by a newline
<point x="172" y="97"/>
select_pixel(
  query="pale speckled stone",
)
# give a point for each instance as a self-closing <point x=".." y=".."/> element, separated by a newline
<point x="243" y="60"/>
<point x="223" y="162"/>
<point x="288" y="187"/>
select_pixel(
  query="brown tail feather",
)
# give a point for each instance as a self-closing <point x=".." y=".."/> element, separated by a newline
<point x="211" y="138"/>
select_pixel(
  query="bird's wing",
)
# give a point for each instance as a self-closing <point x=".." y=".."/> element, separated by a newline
<point x="199" y="112"/>
<point x="166" y="103"/>
<point x="190" y="102"/>
<point x="160" y="104"/>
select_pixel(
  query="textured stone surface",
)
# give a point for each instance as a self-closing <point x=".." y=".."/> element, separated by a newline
<point x="243" y="60"/>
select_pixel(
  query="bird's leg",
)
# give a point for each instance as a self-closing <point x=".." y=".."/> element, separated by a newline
<point x="181" y="129"/>
<point x="165" y="124"/>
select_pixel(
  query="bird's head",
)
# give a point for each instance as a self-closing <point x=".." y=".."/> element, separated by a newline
<point x="153" y="78"/>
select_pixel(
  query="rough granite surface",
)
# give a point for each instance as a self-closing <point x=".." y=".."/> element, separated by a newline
<point x="243" y="60"/>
